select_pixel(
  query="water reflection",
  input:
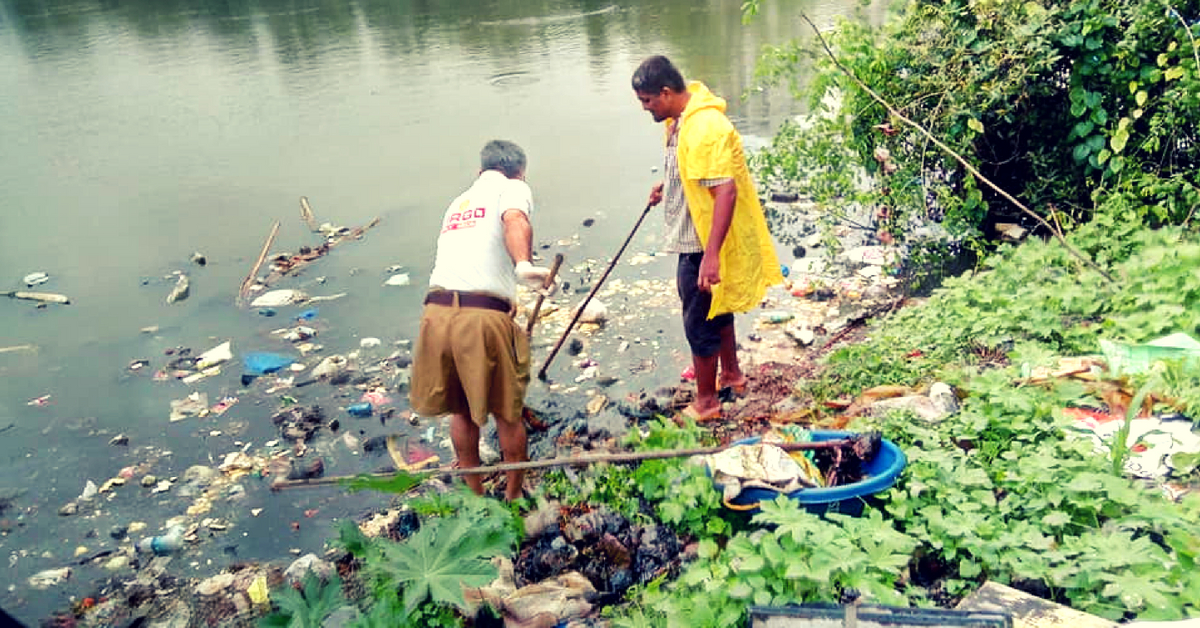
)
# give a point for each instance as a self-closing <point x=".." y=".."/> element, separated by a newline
<point x="304" y="34"/>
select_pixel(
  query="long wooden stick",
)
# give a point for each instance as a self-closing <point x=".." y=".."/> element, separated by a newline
<point x="959" y="158"/>
<point x="558" y="260"/>
<point x="569" y="461"/>
<point x="306" y="214"/>
<point x="249" y="280"/>
<point x="595" y="288"/>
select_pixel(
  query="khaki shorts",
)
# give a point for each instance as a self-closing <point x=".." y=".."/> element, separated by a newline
<point x="470" y="361"/>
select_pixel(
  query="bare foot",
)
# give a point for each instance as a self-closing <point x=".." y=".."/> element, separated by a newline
<point x="701" y="415"/>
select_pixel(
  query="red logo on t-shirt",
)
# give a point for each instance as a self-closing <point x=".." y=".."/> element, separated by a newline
<point x="464" y="219"/>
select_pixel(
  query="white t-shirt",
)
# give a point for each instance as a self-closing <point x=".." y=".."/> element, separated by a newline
<point x="471" y="255"/>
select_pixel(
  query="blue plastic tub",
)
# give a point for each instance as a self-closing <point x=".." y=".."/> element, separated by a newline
<point x="879" y="475"/>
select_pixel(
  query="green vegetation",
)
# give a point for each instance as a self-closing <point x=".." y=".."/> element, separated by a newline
<point x="1062" y="104"/>
<point x="1002" y="490"/>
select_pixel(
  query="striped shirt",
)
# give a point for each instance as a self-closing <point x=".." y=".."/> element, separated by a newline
<point x="680" y="232"/>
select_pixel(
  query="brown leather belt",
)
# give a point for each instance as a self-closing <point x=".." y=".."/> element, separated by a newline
<point x="468" y="299"/>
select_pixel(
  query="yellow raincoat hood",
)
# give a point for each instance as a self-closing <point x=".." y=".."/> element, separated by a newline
<point x="710" y="148"/>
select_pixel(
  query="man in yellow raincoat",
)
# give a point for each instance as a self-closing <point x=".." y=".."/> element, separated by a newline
<point x="713" y="221"/>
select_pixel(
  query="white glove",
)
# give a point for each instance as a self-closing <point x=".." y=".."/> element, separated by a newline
<point x="535" y="277"/>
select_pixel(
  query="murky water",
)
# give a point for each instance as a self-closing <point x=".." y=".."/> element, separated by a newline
<point x="139" y="132"/>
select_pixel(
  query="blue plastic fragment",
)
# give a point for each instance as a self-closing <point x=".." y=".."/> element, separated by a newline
<point x="266" y="311"/>
<point x="784" y="269"/>
<point x="307" y="315"/>
<point x="263" y="363"/>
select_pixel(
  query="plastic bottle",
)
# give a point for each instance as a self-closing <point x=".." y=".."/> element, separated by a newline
<point x="361" y="409"/>
<point x="168" y="543"/>
<point x="776" y="317"/>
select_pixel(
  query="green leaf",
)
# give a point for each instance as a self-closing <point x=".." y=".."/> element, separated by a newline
<point x="751" y="563"/>
<point x="975" y="125"/>
<point x="1141" y="97"/>
<point x="445" y="555"/>
<point x="740" y="591"/>
<point x="1081" y="152"/>
<point x="1173" y="73"/>
<point x="1056" y="519"/>
<point x="969" y="568"/>
<point x="1119" y="139"/>
<point x="307" y="607"/>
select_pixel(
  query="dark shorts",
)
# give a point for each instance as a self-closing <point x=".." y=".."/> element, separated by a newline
<point x="703" y="334"/>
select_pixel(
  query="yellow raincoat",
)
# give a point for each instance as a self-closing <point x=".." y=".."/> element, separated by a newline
<point x="710" y="148"/>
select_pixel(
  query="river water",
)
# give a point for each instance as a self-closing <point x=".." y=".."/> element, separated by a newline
<point x="139" y="132"/>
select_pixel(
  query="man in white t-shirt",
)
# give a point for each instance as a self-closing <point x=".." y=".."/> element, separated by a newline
<point x="472" y="358"/>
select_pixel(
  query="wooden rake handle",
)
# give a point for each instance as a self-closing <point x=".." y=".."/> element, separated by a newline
<point x="558" y="260"/>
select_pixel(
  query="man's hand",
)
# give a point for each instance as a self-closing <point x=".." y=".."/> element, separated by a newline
<point x="710" y="272"/>
<point x="656" y="195"/>
<point x="535" y="277"/>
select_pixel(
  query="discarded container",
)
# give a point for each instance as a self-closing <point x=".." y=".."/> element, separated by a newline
<point x="34" y="279"/>
<point x="813" y="615"/>
<point x="180" y="291"/>
<point x="878" y="475"/>
<point x="218" y="354"/>
<point x="776" y="317"/>
<point x="399" y="279"/>
<point x="277" y="298"/>
<point x="361" y="409"/>
<point x="1125" y="358"/>
<point x="44" y="297"/>
<point x="163" y="545"/>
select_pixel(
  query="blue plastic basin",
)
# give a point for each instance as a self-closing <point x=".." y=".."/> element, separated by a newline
<point x="878" y="475"/>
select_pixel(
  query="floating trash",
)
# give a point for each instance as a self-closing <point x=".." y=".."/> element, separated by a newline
<point x="35" y="279"/>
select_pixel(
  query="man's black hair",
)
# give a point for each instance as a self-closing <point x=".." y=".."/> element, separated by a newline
<point x="656" y="73"/>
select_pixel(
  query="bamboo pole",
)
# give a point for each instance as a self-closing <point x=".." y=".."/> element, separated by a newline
<point x="249" y="280"/>
<point x="568" y="461"/>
